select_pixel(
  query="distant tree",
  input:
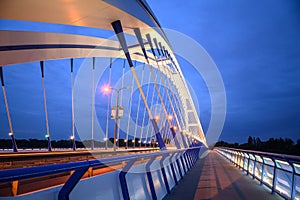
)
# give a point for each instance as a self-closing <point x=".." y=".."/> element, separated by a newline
<point x="278" y="145"/>
<point x="250" y="140"/>
<point x="258" y="143"/>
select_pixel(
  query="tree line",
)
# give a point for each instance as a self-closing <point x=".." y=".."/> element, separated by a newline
<point x="274" y="145"/>
<point x="62" y="144"/>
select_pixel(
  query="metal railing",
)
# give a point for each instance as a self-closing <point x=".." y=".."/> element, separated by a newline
<point x="184" y="160"/>
<point x="281" y="173"/>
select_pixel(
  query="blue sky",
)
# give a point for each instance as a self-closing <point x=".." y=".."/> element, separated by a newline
<point x="255" y="45"/>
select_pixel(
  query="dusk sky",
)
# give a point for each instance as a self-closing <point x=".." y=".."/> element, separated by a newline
<point x="255" y="45"/>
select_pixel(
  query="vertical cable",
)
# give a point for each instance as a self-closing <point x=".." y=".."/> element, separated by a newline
<point x="138" y="110"/>
<point x="11" y="133"/>
<point x="6" y="102"/>
<point x="117" y="26"/>
<point x="93" y="102"/>
<point x="45" y="105"/>
<point x="108" y="105"/>
<point x="72" y="96"/>
<point x="173" y="108"/>
<point x="129" y="112"/>
<point x="121" y="99"/>
<point x="144" y="114"/>
<point x="152" y="99"/>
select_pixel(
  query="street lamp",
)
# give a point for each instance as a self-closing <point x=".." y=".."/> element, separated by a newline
<point x="157" y="118"/>
<point x="73" y="142"/>
<point x="170" y="117"/>
<point x="14" y="144"/>
<point x="49" y="142"/>
<point x="107" y="89"/>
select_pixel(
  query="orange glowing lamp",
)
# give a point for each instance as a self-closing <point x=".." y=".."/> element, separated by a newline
<point x="106" y="89"/>
<point x="170" y="117"/>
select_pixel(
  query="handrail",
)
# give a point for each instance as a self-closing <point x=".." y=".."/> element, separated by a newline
<point x="283" y="183"/>
<point x="24" y="173"/>
<point x="285" y="157"/>
<point x="56" y="154"/>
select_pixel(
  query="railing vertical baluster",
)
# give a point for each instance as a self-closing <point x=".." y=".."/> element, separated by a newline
<point x="122" y="178"/>
<point x="254" y="165"/>
<point x="178" y="166"/>
<point x="71" y="183"/>
<point x="274" y="176"/>
<point x="293" y="188"/>
<point x="150" y="179"/>
<point x="173" y="170"/>
<point x="163" y="171"/>
<point x="186" y="161"/>
<point x="262" y="170"/>
<point x="183" y="164"/>
<point x="248" y="164"/>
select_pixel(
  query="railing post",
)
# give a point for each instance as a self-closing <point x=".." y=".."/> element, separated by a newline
<point x="163" y="171"/>
<point x="244" y="161"/>
<point x="178" y="165"/>
<point x="71" y="183"/>
<point x="274" y="176"/>
<point x="188" y="154"/>
<point x="122" y="178"/>
<point x="14" y="187"/>
<point x="172" y="169"/>
<point x="183" y="164"/>
<point x="248" y="164"/>
<point x="186" y="160"/>
<point x="293" y="188"/>
<point x="254" y="165"/>
<point x="262" y="170"/>
<point x="150" y="179"/>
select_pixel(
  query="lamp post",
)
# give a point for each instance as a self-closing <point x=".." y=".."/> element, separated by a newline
<point x="14" y="144"/>
<point x="49" y="142"/>
<point x="107" y="89"/>
<point x="72" y="138"/>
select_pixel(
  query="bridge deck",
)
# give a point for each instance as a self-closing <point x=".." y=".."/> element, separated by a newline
<point x="213" y="177"/>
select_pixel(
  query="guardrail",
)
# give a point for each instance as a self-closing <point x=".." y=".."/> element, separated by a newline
<point x="180" y="161"/>
<point x="29" y="159"/>
<point x="281" y="173"/>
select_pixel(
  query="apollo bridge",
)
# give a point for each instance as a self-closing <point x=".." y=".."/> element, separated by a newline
<point x="113" y="65"/>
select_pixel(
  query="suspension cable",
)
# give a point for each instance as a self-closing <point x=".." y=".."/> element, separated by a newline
<point x="121" y="99"/>
<point x="45" y="106"/>
<point x="130" y="108"/>
<point x="11" y="133"/>
<point x="93" y="103"/>
<point x="108" y="105"/>
<point x="183" y="141"/>
<point x="72" y="96"/>
<point x="152" y="98"/>
<point x="6" y="102"/>
<point x="157" y="99"/>
<point x="138" y="109"/>
<point x="121" y="37"/>
<point x="175" y="98"/>
<point x="144" y="113"/>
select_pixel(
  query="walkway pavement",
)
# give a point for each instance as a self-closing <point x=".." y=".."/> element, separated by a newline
<point x="214" y="177"/>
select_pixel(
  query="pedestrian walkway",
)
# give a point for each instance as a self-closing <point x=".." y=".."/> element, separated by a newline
<point x="214" y="177"/>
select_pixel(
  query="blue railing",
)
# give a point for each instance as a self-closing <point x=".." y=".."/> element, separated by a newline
<point x="281" y="173"/>
<point x="185" y="159"/>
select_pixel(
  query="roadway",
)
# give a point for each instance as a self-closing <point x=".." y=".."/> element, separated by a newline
<point x="214" y="177"/>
